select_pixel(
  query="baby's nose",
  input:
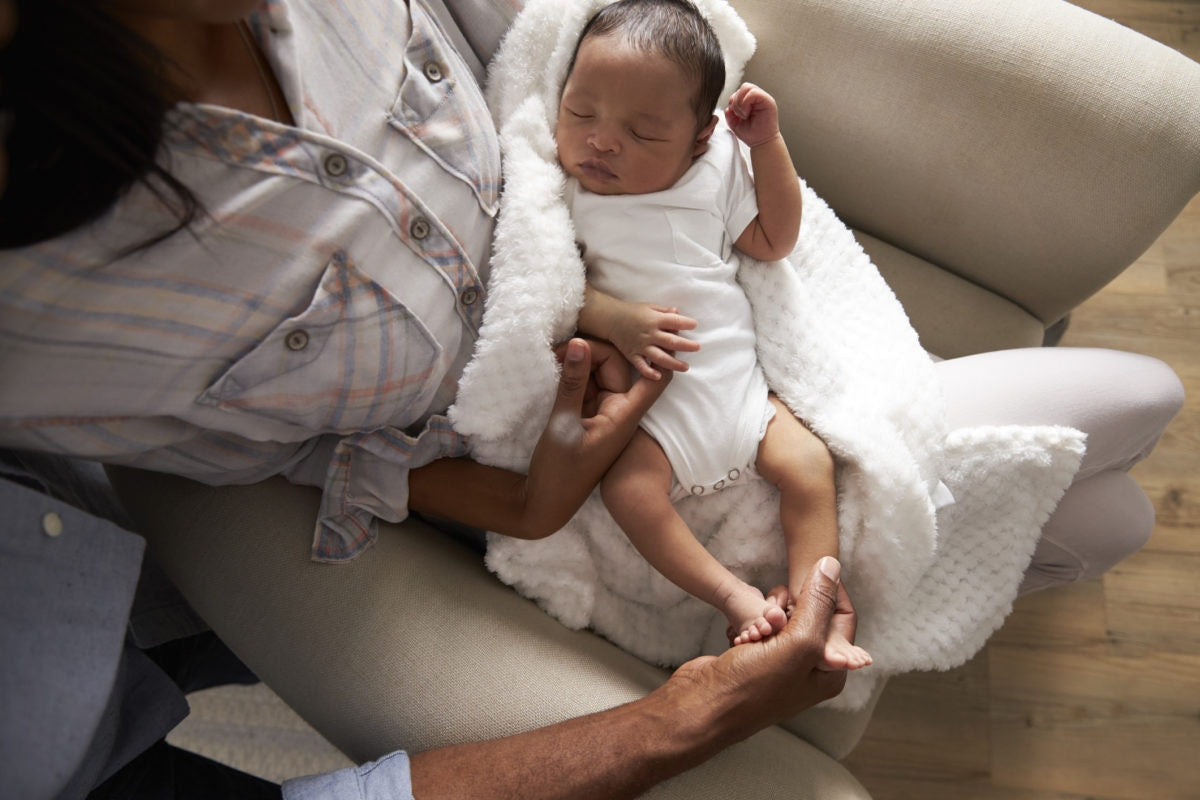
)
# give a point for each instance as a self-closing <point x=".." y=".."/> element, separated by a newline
<point x="604" y="141"/>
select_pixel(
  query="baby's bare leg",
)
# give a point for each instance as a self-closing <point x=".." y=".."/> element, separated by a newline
<point x="637" y="491"/>
<point x="799" y="464"/>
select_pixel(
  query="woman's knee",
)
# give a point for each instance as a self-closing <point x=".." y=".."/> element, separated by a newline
<point x="1099" y="522"/>
<point x="1122" y="401"/>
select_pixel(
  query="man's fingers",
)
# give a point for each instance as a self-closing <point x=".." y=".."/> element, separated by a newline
<point x="845" y="621"/>
<point x="818" y="599"/>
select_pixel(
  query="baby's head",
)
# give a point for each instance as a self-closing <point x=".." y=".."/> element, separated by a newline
<point x="638" y="102"/>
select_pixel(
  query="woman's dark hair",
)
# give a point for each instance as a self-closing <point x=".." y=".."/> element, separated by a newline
<point x="88" y="99"/>
<point x="673" y="28"/>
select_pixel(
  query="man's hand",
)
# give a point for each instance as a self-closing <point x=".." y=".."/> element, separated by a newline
<point x="755" y="685"/>
<point x="707" y="705"/>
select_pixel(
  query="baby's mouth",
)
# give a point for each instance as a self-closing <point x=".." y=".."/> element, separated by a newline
<point x="597" y="169"/>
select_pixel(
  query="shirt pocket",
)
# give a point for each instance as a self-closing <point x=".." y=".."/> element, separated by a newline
<point x="441" y="109"/>
<point x="698" y="237"/>
<point x="356" y="359"/>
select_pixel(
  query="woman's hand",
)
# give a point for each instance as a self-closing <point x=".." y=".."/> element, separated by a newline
<point x="595" y="414"/>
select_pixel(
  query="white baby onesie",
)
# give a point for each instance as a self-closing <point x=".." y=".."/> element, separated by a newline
<point x="675" y="248"/>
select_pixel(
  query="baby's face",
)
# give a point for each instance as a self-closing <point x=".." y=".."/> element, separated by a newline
<point x="625" y="120"/>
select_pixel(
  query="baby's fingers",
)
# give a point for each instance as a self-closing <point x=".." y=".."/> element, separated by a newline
<point x="669" y="342"/>
<point x="645" y="367"/>
<point x="672" y="320"/>
<point x="741" y="101"/>
<point x="657" y="357"/>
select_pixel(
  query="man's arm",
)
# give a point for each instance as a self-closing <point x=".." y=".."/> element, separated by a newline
<point x="709" y="704"/>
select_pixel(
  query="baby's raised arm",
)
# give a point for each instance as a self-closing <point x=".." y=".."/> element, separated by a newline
<point x="648" y="335"/>
<point x="754" y="117"/>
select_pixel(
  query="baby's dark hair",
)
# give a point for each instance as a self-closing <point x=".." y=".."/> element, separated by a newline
<point x="675" y="29"/>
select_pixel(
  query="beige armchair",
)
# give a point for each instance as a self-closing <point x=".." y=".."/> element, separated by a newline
<point x="1000" y="161"/>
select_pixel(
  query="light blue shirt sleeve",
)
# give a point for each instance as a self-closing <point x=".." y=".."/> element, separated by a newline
<point x="388" y="778"/>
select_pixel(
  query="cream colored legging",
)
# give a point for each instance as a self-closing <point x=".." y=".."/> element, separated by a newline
<point x="1122" y="401"/>
<point x="414" y="645"/>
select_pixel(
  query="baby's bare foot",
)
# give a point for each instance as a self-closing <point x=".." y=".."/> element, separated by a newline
<point x="841" y="654"/>
<point x="772" y="621"/>
<point x="752" y="617"/>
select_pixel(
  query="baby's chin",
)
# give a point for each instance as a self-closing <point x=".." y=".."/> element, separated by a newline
<point x="614" y="185"/>
<point x="604" y="188"/>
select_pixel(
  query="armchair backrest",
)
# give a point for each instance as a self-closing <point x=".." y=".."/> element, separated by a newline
<point x="1002" y="161"/>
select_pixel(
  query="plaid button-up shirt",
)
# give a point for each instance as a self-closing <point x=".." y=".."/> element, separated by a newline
<point x="314" y="321"/>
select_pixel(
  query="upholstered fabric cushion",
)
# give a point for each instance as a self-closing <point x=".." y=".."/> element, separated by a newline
<point x="952" y="316"/>
<point x="1005" y="143"/>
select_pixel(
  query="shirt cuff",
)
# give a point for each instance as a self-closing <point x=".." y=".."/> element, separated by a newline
<point x="388" y="778"/>
<point x="367" y="480"/>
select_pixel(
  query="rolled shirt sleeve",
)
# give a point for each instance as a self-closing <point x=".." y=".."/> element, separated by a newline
<point x="367" y="481"/>
<point x="389" y="778"/>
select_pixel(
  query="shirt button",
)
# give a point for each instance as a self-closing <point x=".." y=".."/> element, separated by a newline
<point x="433" y="71"/>
<point x="734" y="474"/>
<point x="52" y="524"/>
<point x="469" y="296"/>
<point x="296" y="340"/>
<point x="719" y="485"/>
<point x="419" y="228"/>
<point x="336" y="165"/>
<point x="697" y="490"/>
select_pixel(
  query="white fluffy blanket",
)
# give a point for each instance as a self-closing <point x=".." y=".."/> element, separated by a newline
<point x="930" y="585"/>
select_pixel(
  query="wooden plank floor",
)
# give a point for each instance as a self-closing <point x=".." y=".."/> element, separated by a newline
<point x="1092" y="690"/>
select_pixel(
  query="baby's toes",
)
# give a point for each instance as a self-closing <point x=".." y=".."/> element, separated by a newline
<point x="754" y="632"/>
<point x="776" y="618"/>
<point x="860" y="658"/>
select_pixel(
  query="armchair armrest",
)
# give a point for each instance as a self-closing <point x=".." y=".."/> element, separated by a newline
<point x="1030" y="147"/>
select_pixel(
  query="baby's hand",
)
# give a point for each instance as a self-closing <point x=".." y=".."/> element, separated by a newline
<point x="649" y="337"/>
<point x="753" y="115"/>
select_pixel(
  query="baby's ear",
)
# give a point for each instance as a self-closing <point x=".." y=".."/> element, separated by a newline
<point x="703" y="136"/>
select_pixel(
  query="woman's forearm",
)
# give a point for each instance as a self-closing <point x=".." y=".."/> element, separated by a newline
<point x="466" y="491"/>
<point x="571" y="456"/>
